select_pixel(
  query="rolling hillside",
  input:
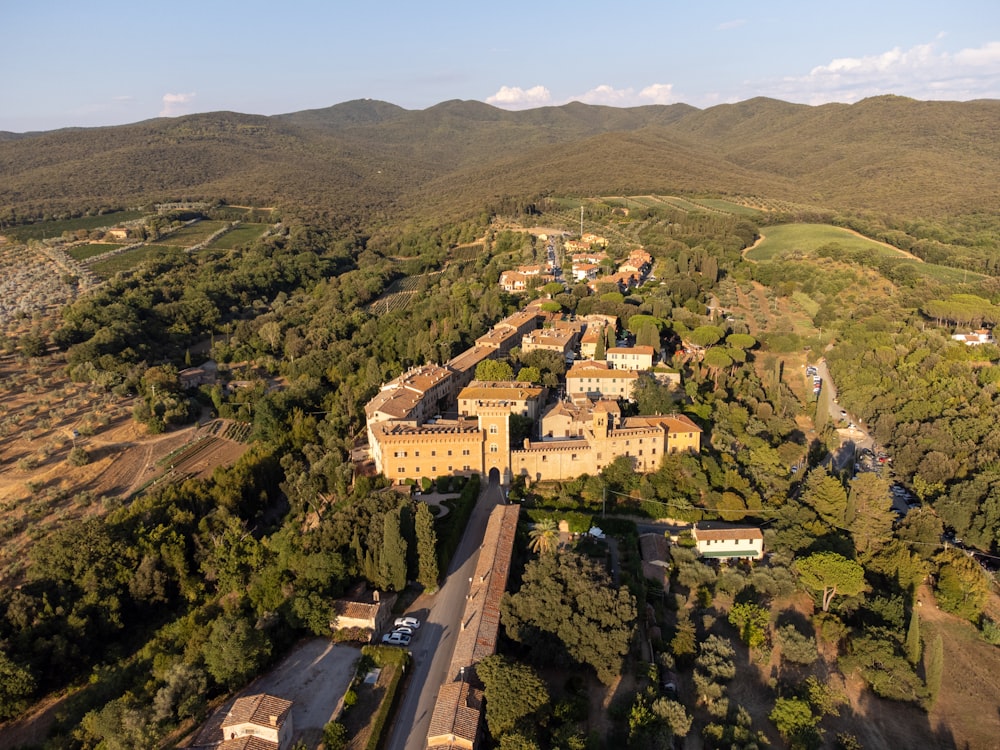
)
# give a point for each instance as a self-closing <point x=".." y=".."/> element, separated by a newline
<point x="881" y="154"/>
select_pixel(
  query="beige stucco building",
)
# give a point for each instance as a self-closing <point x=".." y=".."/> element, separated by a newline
<point x="594" y="380"/>
<point x="721" y="540"/>
<point x="561" y="340"/>
<point x="524" y="399"/>
<point x="603" y="437"/>
<point x="631" y="357"/>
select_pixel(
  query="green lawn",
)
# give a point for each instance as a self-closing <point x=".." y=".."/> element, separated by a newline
<point x="82" y="252"/>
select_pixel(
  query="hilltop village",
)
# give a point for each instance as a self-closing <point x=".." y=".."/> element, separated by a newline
<point x="436" y="420"/>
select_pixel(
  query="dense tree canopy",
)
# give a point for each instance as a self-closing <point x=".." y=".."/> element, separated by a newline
<point x="566" y="604"/>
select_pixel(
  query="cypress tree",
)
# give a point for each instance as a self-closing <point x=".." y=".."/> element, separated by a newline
<point x="913" y="638"/>
<point x="935" y="668"/>
<point x="427" y="564"/>
<point x="393" y="562"/>
<point x="601" y="350"/>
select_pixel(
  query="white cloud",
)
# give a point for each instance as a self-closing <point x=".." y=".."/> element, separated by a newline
<point x="176" y="104"/>
<point x="922" y="72"/>
<point x="729" y="25"/>
<point x="514" y="97"/>
<point x="659" y="93"/>
<point x="656" y="93"/>
<point x="988" y="54"/>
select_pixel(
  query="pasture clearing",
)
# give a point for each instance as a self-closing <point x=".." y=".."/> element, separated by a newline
<point x="108" y="267"/>
<point x="244" y="234"/>
<point x="92" y="249"/>
<point x="191" y="234"/>
<point x="805" y="240"/>
<point x="786" y="240"/>
<point x="46" y="229"/>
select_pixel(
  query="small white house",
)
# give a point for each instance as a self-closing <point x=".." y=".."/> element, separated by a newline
<point x="719" y="540"/>
<point x="975" y="338"/>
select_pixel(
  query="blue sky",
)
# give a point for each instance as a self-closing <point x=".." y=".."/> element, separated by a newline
<point x="69" y="63"/>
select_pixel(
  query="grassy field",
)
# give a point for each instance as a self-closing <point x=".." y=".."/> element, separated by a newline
<point x="45" y="229"/>
<point x="191" y="235"/>
<point x="242" y="235"/>
<point x="798" y="240"/>
<point x="717" y="204"/>
<point x="806" y="239"/>
<point x="126" y="261"/>
<point x="82" y="252"/>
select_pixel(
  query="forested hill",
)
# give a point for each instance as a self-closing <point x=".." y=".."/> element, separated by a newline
<point x="884" y="154"/>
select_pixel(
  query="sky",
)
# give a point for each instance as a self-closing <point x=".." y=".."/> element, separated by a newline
<point x="66" y="63"/>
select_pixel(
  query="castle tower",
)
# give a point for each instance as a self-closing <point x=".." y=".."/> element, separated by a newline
<point x="494" y="421"/>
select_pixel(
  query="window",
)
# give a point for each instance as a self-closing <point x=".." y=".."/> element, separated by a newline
<point x="493" y="429"/>
<point x="493" y="448"/>
<point x="465" y="452"/>
<point x="544" y="458"/>
<point x="449" y="453"/>
<point x="400" y="469"/>
<point x="434" y="453"/>
<point x="416" y="453"/>
<point x="416" y="469"/>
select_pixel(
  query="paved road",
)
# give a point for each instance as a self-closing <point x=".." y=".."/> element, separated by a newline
<point x="434" y="642"/>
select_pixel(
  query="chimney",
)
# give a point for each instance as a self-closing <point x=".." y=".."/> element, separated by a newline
<point x="375" y="596"/>
<point x="274" y="720"/>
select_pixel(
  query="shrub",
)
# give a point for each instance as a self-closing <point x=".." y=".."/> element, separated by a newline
<point x="78" y="457"/>
<point x="335" y="736"/>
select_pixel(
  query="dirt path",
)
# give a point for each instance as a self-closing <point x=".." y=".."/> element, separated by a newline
<point x="760" y="238"/>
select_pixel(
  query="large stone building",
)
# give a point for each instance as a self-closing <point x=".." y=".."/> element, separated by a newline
<point x="644" y="440"/>
<point x="524" y="399"/>
<point x="409" y="441"/>
<point x="594" y="380"/>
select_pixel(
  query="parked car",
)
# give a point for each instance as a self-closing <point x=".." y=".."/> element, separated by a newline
<point x="396" y="639"/>
<point x="404" y="631"/>
<point x="407" y="622"/>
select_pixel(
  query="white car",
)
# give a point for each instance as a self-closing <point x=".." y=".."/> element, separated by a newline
<point x="404" y="631"/>
<point x="407" y="622"/>
<point x="396" y="639"/>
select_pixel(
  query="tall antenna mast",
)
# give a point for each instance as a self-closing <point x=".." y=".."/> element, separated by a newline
<point x="581" y="220"/>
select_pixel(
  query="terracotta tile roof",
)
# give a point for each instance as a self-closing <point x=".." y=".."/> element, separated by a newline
<point x="600" y="372"/>
<point x="247" y="742"/>
<point x="458" y="710"/>
<point x="468" y="359"/>
<point x="727" y="532"/>
<point x="654" y="547"/>
<point x="631" y="350"/>
<point x="258" y="709"/>
<point x="673" y="422"/>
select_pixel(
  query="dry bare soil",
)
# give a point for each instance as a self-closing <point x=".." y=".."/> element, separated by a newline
<point x="43" y="416"/>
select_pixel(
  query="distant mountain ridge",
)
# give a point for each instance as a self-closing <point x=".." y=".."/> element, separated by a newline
<point x="886" y="153"/>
